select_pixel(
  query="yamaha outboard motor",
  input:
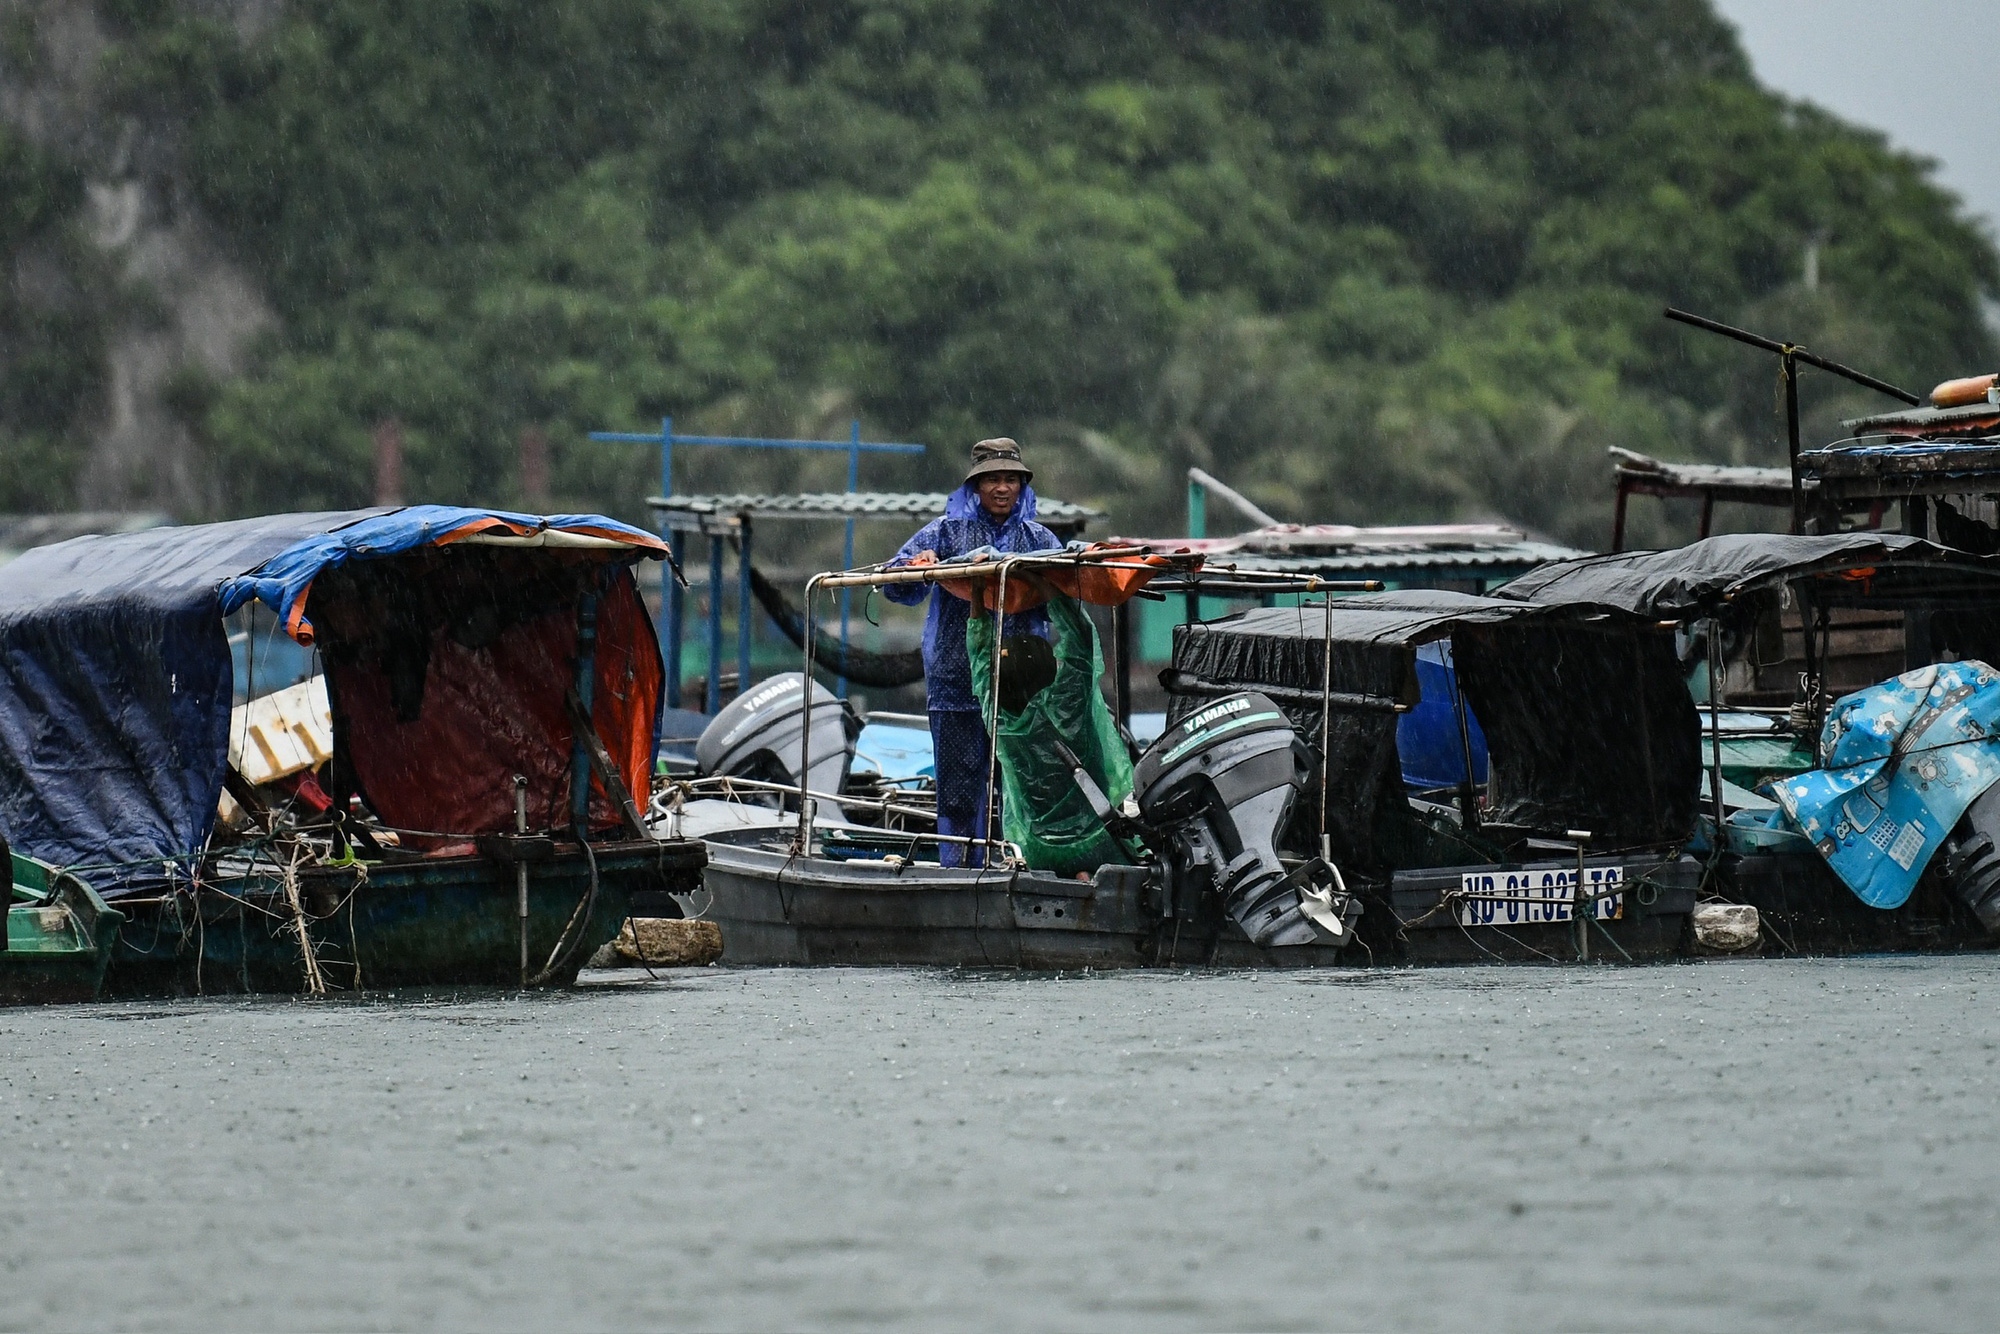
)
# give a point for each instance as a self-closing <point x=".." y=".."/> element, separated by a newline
<point x="758" y="736"/>
<point x="1216" y="788"/>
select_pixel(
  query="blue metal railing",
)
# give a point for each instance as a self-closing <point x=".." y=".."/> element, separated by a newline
<point x="670" y="592"/>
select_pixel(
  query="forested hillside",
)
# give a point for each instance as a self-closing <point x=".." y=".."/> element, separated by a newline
<point x="1370" y="260"/>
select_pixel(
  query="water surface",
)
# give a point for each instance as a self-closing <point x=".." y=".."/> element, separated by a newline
<point x="1746" y="1145"/>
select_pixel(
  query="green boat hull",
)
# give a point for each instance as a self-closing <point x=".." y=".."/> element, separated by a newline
<point x="434" y="922"/>
<point x="60" y="937"/>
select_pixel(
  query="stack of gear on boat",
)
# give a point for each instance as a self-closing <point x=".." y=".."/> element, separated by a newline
<point x="996" y="518"/>
<point x="1048" y="697"/>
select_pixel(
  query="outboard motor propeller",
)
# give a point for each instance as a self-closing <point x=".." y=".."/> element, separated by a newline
<point x="1218" y="787"/>
<point x="757" y="736"/>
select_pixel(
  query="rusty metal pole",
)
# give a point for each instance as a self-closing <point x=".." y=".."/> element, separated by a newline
<point x="1788" y="361"/>
<point x="388" y="439"/>
<point x="534" y="468"/>
<point x="1582" y="906"/>
<point x="1715" y="723"/>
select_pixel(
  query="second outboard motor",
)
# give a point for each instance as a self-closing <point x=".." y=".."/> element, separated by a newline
<point x="1972" y="858"/>
<point x="1218" y="786"/>
<point x="757" y="736"/>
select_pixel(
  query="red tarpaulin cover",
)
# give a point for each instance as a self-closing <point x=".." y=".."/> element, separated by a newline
<point x="434" y="734"/>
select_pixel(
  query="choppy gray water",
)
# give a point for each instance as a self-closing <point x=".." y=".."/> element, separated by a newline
<point x="1722" y="1145"/>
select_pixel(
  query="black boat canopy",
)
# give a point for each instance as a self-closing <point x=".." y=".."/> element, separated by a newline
<point x="1588" y="722"/>
<point x="1695" y="579"/>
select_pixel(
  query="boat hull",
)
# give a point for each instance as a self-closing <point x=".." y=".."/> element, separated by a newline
<point x="58" y="948"/>
<point x="1804" y="909"/>
<point x="777" y="909"/>
<point x="1652" y="921"/>
<point x="441" y="922"/>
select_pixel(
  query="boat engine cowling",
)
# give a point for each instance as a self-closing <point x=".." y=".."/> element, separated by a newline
<point x="1218" y="786"/>
<point x="757" y="736"/>
<point x="1972" y="858"/>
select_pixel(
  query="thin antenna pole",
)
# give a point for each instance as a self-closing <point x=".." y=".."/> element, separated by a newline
<point x="802" y="841"/>
<point x="847" y="547"/>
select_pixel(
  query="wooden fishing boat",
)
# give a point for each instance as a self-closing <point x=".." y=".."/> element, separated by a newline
<point x="493" y="691"/>
<point x="59" y="940"/>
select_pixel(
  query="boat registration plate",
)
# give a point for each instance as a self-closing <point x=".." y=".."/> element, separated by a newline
<point x="1529" y="898"/>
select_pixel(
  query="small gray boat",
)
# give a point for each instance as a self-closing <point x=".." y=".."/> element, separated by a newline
<point x="775" y="907"/>
<point x="822" y="885"/>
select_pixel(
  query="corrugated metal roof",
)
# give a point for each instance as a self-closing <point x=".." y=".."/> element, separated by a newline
<point x="1970" y="418"/>
<point x="690" y="511"/>
<point x="1642" y="471"/>
<point x="1479" y="562"/>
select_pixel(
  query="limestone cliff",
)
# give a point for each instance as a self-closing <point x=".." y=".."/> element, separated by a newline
<point x="137" y="259"/>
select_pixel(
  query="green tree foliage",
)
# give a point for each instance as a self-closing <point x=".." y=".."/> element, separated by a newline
<point x="51" y="344"/>
<point x="1373" y="261"/>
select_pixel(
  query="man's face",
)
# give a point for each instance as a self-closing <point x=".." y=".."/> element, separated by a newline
<point x="998" y="491"/>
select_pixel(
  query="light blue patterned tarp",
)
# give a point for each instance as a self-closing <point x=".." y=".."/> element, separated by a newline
<point x="1901" y="762"/>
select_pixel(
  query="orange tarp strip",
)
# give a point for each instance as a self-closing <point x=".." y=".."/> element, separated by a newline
<point x="1108" y="584"/>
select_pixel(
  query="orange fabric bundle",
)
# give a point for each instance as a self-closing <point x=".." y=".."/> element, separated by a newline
<point x="1108" y="584"/>
<point x="1958" y="393"/>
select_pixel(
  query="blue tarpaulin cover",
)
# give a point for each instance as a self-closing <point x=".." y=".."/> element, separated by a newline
<point x="1901" y="762"/>
<point x="1427" y="737"/>
<point x="115" y="675"/>
<point x="281" y="582"/>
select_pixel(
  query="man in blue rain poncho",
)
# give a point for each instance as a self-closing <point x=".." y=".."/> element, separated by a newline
<point x="995" y="507"/>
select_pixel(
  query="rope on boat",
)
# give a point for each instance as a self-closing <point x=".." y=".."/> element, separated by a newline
<point x="572" y="932"/>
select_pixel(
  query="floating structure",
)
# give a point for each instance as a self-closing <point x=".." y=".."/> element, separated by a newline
<point x="1936" y="461"/>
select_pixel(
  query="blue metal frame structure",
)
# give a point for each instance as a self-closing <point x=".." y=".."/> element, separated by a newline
<point x="670" y="592"/>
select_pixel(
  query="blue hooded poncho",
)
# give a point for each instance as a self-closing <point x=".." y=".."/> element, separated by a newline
<point x="965" y="528"/>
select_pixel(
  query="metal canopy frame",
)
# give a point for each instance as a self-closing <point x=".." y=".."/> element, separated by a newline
<point x="1180" y="569"/>
<point x="724" y="518"/>
<point x="670" y="594"/>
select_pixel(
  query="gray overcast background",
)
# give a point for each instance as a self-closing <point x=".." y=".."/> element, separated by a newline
<point x="1921" y="70"/>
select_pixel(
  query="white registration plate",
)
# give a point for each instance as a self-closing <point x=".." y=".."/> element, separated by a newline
<point x="1529" y="898"/>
